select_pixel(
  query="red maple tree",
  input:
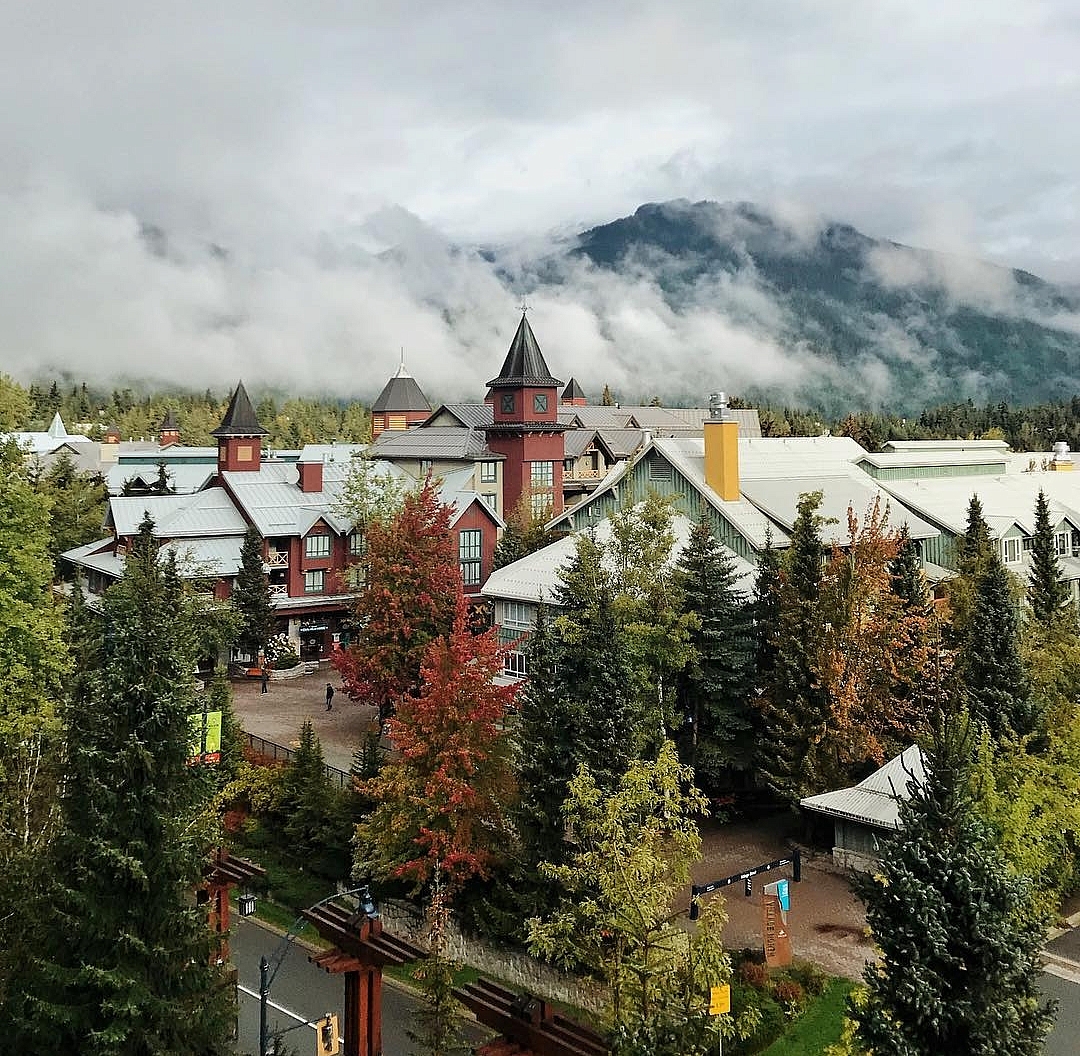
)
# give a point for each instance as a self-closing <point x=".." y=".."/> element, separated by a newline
<point x="441" y="799"/>
<point x="411" y="579"/>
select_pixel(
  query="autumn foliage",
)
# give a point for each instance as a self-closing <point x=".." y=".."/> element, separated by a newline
<point x="411" y="579"/>
<point x="442" y="797"/>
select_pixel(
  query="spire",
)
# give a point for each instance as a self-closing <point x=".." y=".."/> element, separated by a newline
<point x="573" y="392"/>
<point x="168" y="423"/>
<point x="524" y="363"/>
<point x="240" y="419"/>
<point x="56" y="428"/>
<point x="401" y="393"/>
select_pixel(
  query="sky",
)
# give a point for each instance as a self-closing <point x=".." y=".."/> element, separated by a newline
<point x="272" y="149"/>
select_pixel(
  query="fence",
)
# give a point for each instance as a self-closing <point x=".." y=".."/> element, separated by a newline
<point x="278" y="752"/>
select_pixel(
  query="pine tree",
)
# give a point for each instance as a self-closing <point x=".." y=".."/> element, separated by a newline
<point x="766" y="608"/>
<point x="1048" y="595"/>
<point x="959" y="937"/>
<point x="129" y="969"/>
<point x="795" y="704"/>
<point x="251" y="597"/>
<point x="716" y="685"/>
<point x="606" y="399"/>
<point x="974" y="549"/>
<point x="308" y="798"/>
<point x="989" y="662"/>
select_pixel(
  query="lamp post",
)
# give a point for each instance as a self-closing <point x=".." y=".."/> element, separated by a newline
<point x="268" y="967"/>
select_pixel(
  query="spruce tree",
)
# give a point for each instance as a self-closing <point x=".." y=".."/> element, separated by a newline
<point x="129" y="968"/>
<point x="766" y="608"/>
<point x="796" y="708"/>
<point x="308" y="798"/>
<point x="958" y="934"/>
<point x="251" y="598"/>
<point x="716" y="685"/>
<point x="989" y="661"/>
<point x="1047" y="593"/>
<point x="974" y="549"/>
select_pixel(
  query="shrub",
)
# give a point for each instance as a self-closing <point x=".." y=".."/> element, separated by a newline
<point x="286" y="660"/>
<point x="810" y="977"/>
<point x="770" y="1026"/>
<point x="789" y="994"/>
<point x="753" y="974"/>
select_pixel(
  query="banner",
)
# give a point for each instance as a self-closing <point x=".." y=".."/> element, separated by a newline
<point x="205" y="742"/>
<point x="775" y="903"/>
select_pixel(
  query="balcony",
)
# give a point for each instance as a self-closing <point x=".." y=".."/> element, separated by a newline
<point x="278" y="559"/>
<point x="279" y="590"/>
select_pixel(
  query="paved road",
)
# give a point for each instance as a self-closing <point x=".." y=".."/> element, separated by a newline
<point x="1064" y="1039"/>
<point x="308" y="993"/>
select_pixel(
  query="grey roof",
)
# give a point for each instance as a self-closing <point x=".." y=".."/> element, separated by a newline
<point x="945" y="445"/>
<point x="195" y="558"/>
<point x="664" y="421"/>
<point x="469" y="415"/>
<point x="536" y="576"/>
<point x="524" y="363"/>
<point x="332" y="452"/>
<point x="206" y="513"/>
<point x="438" y="442"/>
<point x="457" y="491"/>
<point x="622" y="442"/>
<point x="184" y="478"/>
<point x="401" y="393"/>
<point x="240" y="419"/>
<point x="576" y="441"/>
<point x="573" y="391"/>
<point x="874" y="801"/>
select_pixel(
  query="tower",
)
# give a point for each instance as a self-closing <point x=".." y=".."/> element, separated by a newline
<point x="168" y="431"/>
<point x="525" y="427"/>
<point x="401" y="403"/>
<point x="573" y="396"/>
<point x="239" y="436"/>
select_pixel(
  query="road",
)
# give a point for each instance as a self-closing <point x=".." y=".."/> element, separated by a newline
<point x="308" y="993"/>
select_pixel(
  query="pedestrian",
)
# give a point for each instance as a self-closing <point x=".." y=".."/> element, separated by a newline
<point x="265" y="678"/>
<point x="329" y="697"/>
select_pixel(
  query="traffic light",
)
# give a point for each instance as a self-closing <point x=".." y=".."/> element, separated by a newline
<point x="326" y="1036"/>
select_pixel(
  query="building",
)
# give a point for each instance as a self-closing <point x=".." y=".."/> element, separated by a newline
<point x="400" y="405"/>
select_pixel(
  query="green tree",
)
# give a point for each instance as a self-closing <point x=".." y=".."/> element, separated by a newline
<point x="634" y="847"/>
<point x="251" y="598"/>
<point x="307" y="798"/>
<point x="766" y="609"/>
<point x="606" y="398"/>
<point x="989" y="663"/>
<point x="14" y="405"/>
<point x="959" y="937"/>
<point x="77" y="501"/>
<point x="716" y="685"/>
<point x="1047" y="593"/>
<point x="129" y="969"/>
<point x="524" y="534"/>
<point x="974" y="549"/>
<point x="795" y="706"/>
<point x="34" y="668"/>
<point x="220" y="698"/>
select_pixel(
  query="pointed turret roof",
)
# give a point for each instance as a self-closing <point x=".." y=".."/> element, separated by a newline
<point x="400" y="394"/>
<point x="56" y="427"/>
<point x="573" y="391"/>
<point x="524" y="363"/>
<point x="240" y="418"/>
<point x="168" y="423"/>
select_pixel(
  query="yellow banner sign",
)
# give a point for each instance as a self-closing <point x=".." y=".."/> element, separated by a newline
<point x="719" y="1000"/>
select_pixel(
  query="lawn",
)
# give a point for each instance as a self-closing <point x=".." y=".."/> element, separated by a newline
<point x="818" y="1027"/>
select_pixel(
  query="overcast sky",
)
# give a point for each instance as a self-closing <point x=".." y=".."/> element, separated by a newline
<point x="276" y="129"/>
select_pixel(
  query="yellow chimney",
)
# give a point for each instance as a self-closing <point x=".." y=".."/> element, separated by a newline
<point x="722" y="450"/>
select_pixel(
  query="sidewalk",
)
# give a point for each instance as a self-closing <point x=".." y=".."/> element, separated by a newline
<point x="278" y="714"/>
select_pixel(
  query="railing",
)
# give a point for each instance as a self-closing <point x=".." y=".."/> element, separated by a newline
<point x="278" y="559"/>
<point x="279" y="590"/>
<point x="278" y="752"/>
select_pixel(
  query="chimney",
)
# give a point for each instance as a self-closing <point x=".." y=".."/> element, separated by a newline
<point x="722" y="449"/>
<point x="311" y="476"/>
<point x="1062" y="460"/>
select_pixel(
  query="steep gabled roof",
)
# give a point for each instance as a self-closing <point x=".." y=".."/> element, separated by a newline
<point x="240" y="418"/>
<point x="573" y="391"/>
<point x="401" y="393"/>
<point x="524" y="363"/>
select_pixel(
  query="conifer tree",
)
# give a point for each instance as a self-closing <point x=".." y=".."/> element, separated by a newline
<point x="308" y="799"/>
<point x="766" y="603"/>
<point x="251" y="597"/>
<point x="974" y="548"/>
<point x="1047" y="593"/>
<point x="232" y="735"/>
<point x="989" y="661"/>
<point x="129" y="969"/>
<point x="959" y="936"/>
<point x="716" y="684"/>
<point x="795" y="704"/>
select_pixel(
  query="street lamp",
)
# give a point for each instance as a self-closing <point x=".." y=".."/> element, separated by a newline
<point x="268" y="968"/>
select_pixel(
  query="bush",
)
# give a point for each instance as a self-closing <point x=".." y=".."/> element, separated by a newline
<point x="286" y="661"/>
<point x="753" y="974"/>
<point x="810" y="977"/>
<point x="771" y="1025"/>
<point x="789" y="994"/>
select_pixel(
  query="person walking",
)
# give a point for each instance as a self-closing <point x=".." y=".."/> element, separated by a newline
<point x="265" y="678"/>
<point x="329" y="697"/>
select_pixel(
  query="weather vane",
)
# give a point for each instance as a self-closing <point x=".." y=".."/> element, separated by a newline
<point x="524" y="306"/>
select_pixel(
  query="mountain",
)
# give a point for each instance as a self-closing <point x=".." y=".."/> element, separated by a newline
<point x="851" y="320"/>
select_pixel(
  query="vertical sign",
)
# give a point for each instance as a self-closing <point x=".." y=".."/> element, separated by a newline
<point x="775" y="903"/>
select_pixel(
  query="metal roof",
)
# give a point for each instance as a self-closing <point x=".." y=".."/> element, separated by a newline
<point x="468" y="415"/>
<point x="874" y="801"/>
<point x="184" y="478"/>
<point x="400" y="393"/>
<point x="438" y="442"/>
<point x="332" y="452"/>
<point x="573" y="391"/>
<point x="524" y="363"/>
<point x="536" y="576"/>
<point x="240" y="418"/>
<point x="945" y="445"/>
<point x="209" y="512"/>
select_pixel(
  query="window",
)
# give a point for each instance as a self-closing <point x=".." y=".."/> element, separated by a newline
<point x="542" y="474"/>
<point x="317" y="546"/>
<point x="489" y="472"/>
<point x="540" y="403"/>
<point x="357" y="544"/>
<point x="517" y="614"/>
<point x="425" y="466"/>
<point x="506" y="403"/>
<point x="469" y="552"/>
<point x="517" y="621"/>
<point x="491" y="499"/>
<point x="314" y="582"/>
<point x="1062" y="542"/>
<point x="1013" y="549"/>
<point x="514" y="663"/>
<point x="659" y="469"/>
<point x="541" y="507"/>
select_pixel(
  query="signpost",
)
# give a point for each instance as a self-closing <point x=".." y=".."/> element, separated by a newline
<point x="697" y="890"/>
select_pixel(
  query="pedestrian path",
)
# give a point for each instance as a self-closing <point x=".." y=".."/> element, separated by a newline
<point x="280" y="712"/>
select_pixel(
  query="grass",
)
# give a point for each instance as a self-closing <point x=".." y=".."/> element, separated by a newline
<point x="818" y="1027"/>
